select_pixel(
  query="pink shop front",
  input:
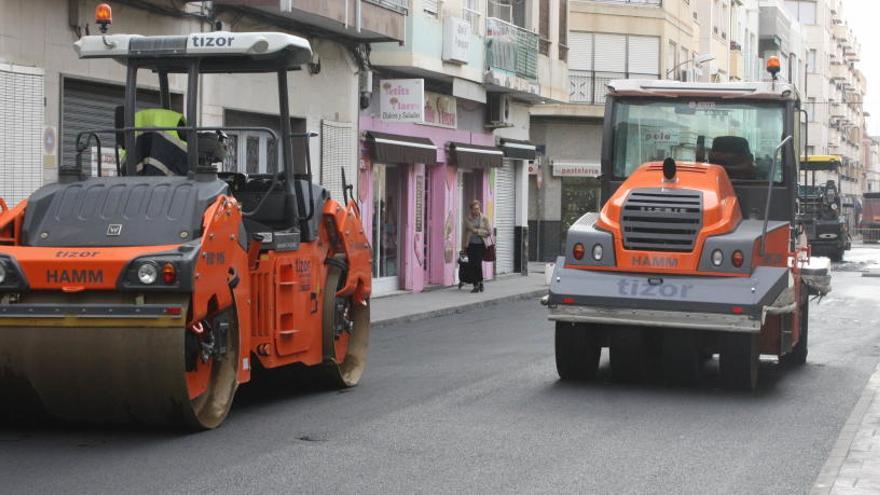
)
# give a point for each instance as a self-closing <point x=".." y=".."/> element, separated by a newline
<point x="414" y="182"/>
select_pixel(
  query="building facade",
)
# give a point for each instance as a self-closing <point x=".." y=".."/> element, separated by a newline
<point x="57" y="96"/>
<point x="449" y="123"/>
<point x="834" y="91"/>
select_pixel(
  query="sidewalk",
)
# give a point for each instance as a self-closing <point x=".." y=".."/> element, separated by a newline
<point x="853" y="467"/>
<point x="408" y="307"/>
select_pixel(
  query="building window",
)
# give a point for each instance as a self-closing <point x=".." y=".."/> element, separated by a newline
<point x="671" y="61"/>
<point x="472" y="13"/>
<point x="256" y="152"/>
<point x="804" y="11"/>
<point x="563" y="30"/>
<point x="598" y="58"/>
<point x="431" y="6"/>
<point x="685" y="69"/>
<point x="811" y="62"/>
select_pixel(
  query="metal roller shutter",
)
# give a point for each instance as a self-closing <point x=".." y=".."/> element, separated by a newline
<point x="505" y="216"/>
<point x="644" y="55"/>
<point x="610" y="53"/>
<point x="89" y="105"/>
<point x="580" y="51"/>
<point x="337" y="152"/>
<point x="21" y="132"/>
<point x="432" y="6"/>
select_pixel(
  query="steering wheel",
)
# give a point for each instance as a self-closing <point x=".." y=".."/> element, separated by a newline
<point x="235" y="180"/>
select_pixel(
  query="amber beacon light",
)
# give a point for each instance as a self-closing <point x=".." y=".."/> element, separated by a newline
<point x="103" y="16"/>
<point x="773" y="65"/>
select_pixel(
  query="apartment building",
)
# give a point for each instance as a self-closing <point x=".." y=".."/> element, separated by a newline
<point x="728" y="33"/>
<point x="871" y="153"/>
<point x="834" y="90"/>
<point x="449" y="123"/>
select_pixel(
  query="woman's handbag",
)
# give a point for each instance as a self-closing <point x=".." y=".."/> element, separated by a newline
<point x="489" y="253"/>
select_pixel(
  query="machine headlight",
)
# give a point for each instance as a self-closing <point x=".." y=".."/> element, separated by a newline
<point x="2" y="272"/>
<point x="834" y="206"/>
<point x="717" y="257"/>
<point x="148" y="273"/>
<point x="597" y="252"/>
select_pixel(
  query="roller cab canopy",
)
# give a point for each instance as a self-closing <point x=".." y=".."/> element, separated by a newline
<point x="821" y="162"/>
<point x="219" y="51"/>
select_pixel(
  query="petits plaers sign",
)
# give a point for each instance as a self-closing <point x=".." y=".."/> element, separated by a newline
<point x="402" y="100"/>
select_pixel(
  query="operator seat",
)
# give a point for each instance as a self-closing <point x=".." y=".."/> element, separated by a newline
<point x="733" y="153"/>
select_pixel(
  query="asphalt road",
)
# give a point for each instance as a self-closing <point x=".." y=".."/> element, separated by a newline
<point x="471" y="403"/>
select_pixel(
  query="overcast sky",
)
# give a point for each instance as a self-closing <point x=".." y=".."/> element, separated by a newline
<point x="863" y="16"/>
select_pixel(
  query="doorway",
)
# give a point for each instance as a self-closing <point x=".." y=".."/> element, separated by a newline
<point x="470" y="187"/>
<point x="386" y="228"/>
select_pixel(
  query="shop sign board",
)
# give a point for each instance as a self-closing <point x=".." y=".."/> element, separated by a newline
<point x="456" y="40"/>
<point x="402" y="100"/>
<point x="440" y="110"/>
<point x="576" y="169"/>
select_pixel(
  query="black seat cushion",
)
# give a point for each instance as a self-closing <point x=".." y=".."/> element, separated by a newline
<point x="733" y="153"/>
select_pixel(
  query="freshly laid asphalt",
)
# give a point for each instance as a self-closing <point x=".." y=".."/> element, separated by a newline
<point x="471" y="403"/>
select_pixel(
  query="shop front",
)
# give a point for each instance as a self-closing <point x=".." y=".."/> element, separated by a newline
<point x="412" y="194"/>
<point x="580" y="192"/>
<point x="392" y="196"/>
<point x="425" y="155"/>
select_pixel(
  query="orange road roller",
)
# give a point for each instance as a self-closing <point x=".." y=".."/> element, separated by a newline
<point x="149" y="293"/>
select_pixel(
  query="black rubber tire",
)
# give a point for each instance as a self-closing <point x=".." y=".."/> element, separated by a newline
<point x="739" y="360"/>
<point x="681" y="358"/>
<point x="798" y="354"/>
<point x="347" y="371"/>
<point x="212" y="407"/>
<point x="628" y="355"/>
<point x="577" y="351"/>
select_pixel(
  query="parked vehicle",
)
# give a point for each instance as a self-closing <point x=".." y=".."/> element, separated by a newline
<point x="819" y="208"/>
<point x="870" y="223"/>
<point x="694" y="250"/>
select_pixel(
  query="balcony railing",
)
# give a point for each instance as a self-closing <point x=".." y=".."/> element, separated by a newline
<point x="512" y="48"/>
<point x="401" y="6"/>
<point x="590" y="87"/>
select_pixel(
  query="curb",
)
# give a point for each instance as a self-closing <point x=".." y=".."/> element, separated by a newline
<point x="828" y="475"/>
<point x="456" y="309"/>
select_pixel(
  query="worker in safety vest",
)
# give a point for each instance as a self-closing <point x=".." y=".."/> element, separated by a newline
<point x="159" y="152"/>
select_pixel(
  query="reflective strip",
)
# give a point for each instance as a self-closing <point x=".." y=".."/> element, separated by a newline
<point x="155" y="163"/>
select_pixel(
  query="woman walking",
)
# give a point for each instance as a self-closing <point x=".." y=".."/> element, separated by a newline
<point x="475" y="238"/>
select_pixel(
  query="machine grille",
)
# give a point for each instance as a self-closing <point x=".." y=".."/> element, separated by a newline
<point x="662" y="220"/>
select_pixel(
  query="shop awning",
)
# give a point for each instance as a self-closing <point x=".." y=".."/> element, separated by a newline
<point x="393" y="148"/>
<point x="518" y="150"/>
<point x="474" y="156"/>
